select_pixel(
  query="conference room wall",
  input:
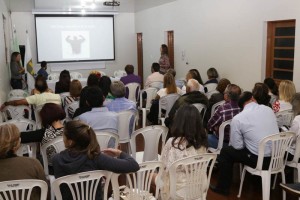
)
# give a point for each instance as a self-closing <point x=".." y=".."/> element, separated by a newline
<point x="125" y="44"/>
<point x="228" y="35"/>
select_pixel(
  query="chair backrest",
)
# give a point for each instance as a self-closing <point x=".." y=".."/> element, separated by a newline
<point x="167" y="103"/>
<point x="22" y="124"/>
<point x="17" y="93"/>
<point x="139" y="183"/>
<point x="211" y="87"/>
<point x="22" y="189"/>
<point x="70" y="109"/>
<point x="209" y="94"/>
<point x="17" y="112"/>
<point x="53" y="76"/>
<point x="58" y="144"/>
<point x="156" y="84"/>
<point x="297" y="150"/>
<point x="221" y="137"/>
<point x="83" y="186"/>
<point x="201" y="108"/>
<point x="38" y="120"/>
<point x="151" y="136"/>
<point x="195" y="169"/>
<point x="124" y="124"/>
<point x="280" y="143"/>
<point x="120" y="73"/>
<point x="103" y="138"/>
<point x="285" y="117"/>
<point x="76" y="75"/>
<point x="133" y="88"/>
<point x="151" y="94"/>
<point x="215" y="106"/>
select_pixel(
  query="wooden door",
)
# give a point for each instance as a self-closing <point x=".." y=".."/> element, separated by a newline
<point x="171" y="47"/>
<point x="140" y="56"/>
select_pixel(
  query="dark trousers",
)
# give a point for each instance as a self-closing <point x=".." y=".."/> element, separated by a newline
<point x="16" y="84"/>
<point x="228" y="157"/>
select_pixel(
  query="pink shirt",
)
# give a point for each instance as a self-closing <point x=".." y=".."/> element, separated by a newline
<point x="154" y="77"/>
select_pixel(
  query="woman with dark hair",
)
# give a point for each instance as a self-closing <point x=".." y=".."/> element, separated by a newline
<point x="188" y="138"/>
<point x="273" y="89"/>
<point x="193" y="74"/>
<point x="63" y="85"/>
<point x="104" y="85"/>
<point x="261" y="94"/>
<point x="16" y="71"/>
<point x="164" y="61"/>
<point x="40" y="85"/>
<point x="83" y="154"/>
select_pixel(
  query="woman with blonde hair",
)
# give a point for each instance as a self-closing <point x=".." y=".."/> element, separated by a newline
<point x="14" y="167"/>
<point x="286" y="91"/>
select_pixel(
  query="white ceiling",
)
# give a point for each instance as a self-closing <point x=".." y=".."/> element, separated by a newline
<point x="75" y="5"/>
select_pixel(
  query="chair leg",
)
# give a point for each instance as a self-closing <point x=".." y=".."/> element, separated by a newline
<point x="283" y="181"/>
<point x="274" y="182"/>
<point x="298" y="173"/>
<point x="242" y="182"/>
<point x="51" y="180"/>
<point x="266" y="184"/>
<point x="144" y="117"/>
<point x="241" y="169"/>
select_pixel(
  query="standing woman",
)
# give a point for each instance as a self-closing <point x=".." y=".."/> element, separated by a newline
<point x="16" y="71"/>
<point x="164" y="61"/>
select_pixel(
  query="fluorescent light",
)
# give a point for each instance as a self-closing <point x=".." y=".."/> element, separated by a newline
<point x="93" y="6"/>
<point x="83" y="11"/>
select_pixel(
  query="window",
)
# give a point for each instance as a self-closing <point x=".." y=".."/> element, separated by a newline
<point x="280" y="50"/>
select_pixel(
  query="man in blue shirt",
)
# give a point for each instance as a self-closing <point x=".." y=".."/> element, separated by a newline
<point x="43" y="69"/>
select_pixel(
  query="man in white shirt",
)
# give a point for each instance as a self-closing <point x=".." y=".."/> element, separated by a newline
<point x="155" y="76"/>
<point x="248" y="128"/>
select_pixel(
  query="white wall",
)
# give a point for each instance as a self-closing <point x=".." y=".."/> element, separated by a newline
<point x="125" y="43"/>
<point x="228" y="35"/>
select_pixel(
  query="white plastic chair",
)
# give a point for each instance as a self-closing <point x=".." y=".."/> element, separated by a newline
<point x="197" y="178"/>
<point x="21" y="189"/>
<point x="151" y="94"/>
<point x="139" y="183"/>
<point x="215" y="107"/>
<point x="120" y="73"/>
<point x="38" y="120"/>
<point x="211" y="87"/>
<point x="70" y="109"/>
<point x="103" y="138"/>
<point x="53" y="76"/>
<point x="22" y="94"/>
<point x="17" y="112"/>
<point x="285" y="118"/>
<point x="124" y="123"/>
<point x="221" y="138"/>
<point x="151" y="136"/>
<point x="166" y="103"/>
<point x="76" y="75"/>
<point x="63" y="96"/>
<point x="83" y="186"/>
<point x="209" y="94"/>
<point x="295" y="162"/>
<point x="156" y="84"/>
<point x="59" y="146"/>
<point x="132" y="89"/>
<point x="201" y="108"/>
<point x="280" y="143"/>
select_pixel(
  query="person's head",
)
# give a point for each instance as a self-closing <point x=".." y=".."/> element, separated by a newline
<point x="50" y="113"/>
<point x="104" y="84"/>
<point x="155" y="67"/>
<point x="194" y="73"/>
<point x="286" y="90"/>
<point x="296" y="104"/>
<point x="79" y="137"/>
<point x="15" y="57"/>
<point x="164" y="49"/>
<point x="41" y="83"/>
<point x="75" y="88"/>
<point x="192" y="86"/>
<point x="271" y="85"/>
<point x="188" y="126"/>
<point x="118" y="89"/>
<point x="261" y="94"/>
<point x="245" y="98"/>
<point x="93" y="80"/>
<point x="44" y="65"/>
<point x="94" y="97"/>
<point x="10" y="140"/>
<point x="169" y="84"/>
<point x="172" y="71"/>
<point x="129" y="69"/>
<point x="65" y="78"/>
<point x="232" y="93"/>
<point x="212" y="73"/>
<point x="222" y="85"/>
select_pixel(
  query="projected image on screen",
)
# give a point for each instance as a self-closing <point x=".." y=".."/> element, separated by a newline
<point x="74" y="38"/>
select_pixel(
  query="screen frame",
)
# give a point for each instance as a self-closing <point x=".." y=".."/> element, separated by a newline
<point x="74" y="15"/>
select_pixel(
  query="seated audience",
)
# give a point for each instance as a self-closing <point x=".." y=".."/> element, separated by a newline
<point x="193" y="74"/>
<point x="192" y="96"/>
<point x="273" y="89"/>
<point x="63" y="85"/>
<point x="155" y="76"/>
<point x="104" y="85"/>
<point x="224" y="113"/>
<point x="212" y="75"/>
<point x="188" y="139"/>
<point x="14" y="167"/>
<point x="248" y="128"/>
<point x="261" y="94"/>
<point x="178" y="83"/>
<point x="83" y="154"/>
<point x="43" y="69"/>
<point x="130" y="78"/>
<point x="75" y="91"/>
<point x="40" y="85"/>
<point x="286" y="91"/>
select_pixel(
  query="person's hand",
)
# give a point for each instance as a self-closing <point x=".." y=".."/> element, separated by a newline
<point x="112" y="152"/>
<point x="2" y="107"/>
